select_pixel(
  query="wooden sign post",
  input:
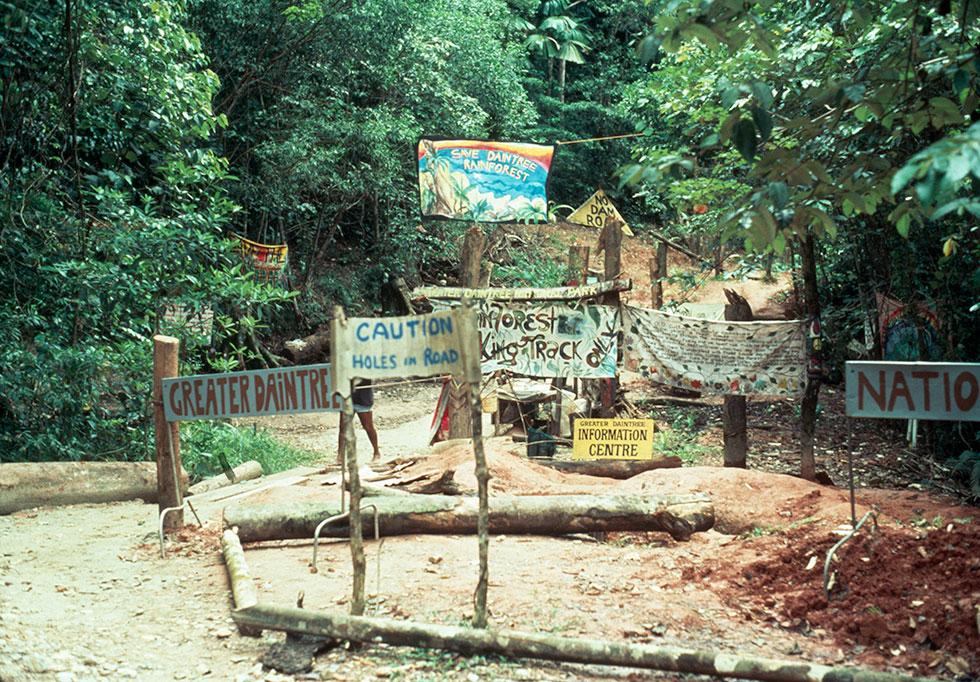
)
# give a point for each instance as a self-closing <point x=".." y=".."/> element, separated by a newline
<point x="734" y="419"/>
<point x="165" y="352"/>
<point x="436" y="344"/>
<point x="610" y="241"/>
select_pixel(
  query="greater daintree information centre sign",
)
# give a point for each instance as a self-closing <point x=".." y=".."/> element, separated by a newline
<point x="613" y="439"/>
<point x="914" y="390"/>
<point x="258" y="393"/>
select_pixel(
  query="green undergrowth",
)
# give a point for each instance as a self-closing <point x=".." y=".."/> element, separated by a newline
<point x="679" y="439"/>
<point x="208" y="447"/>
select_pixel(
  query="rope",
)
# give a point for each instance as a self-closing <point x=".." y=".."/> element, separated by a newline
<point x="599" y="139"/>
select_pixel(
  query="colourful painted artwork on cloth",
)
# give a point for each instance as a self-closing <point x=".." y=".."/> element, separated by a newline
<point x="267" y="261"/>
<point x="549" y="339"/>
<point x="908" y="332"/>
<point x="484" y="181"/>
<point x="717" y="357"/>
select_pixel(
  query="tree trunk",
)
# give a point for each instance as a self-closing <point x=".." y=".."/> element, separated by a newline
<point x="24" y="485"/>
<point x="513" y="644"/>
<point x="808" y="409"/>
<point x="470" y="259"/>
<point x="620" y="469"/>
<point x="610" y="242"/>
<point x="678" y="515"/>
<point x="561" y="80"/>
<point x="735" y="429"/>
<point x="578" y="265"/>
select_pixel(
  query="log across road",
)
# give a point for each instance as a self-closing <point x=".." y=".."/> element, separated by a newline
<point x="678" y="515"/>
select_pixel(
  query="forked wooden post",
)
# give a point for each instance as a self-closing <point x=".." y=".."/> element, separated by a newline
<point x="165" y="353"/>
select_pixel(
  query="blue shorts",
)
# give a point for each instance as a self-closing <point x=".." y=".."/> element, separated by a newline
<point x="363" y="398"/>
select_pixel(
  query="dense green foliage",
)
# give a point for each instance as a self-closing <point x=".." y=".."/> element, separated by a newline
<point x="136" y="136"/>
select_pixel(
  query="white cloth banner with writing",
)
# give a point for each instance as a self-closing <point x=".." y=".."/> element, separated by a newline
<point x="717" y="357"/>
<point x="548" y="339"/>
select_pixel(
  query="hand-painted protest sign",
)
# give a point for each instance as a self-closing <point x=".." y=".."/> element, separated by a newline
<point x="484" y="181"/>
<point x="612" y="439"/>
<point x="549" y="339"/>
<point x="409" y="346"/>
<point x="719" y="357"/>
<point x="914" y="390"/>
<point x="257" y="393"/>
<point x="595" y="210"/>
<point x="267" y="261"/>
<point x="908" y="332"/>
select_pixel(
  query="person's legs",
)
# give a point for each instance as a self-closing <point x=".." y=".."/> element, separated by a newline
<point x="367" y="422"/>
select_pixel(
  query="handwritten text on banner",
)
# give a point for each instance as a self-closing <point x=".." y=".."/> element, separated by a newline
<point x="718" y="357"/>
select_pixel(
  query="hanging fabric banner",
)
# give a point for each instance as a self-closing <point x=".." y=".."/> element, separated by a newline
<point x="185" y="320"/>
<point x="907" y="330"/>
<point x="484" y="181"/>
<point x="267" y="261"/>
<point x="717" y="357"/>
<point x="549" y="339"/>
<point x="595" y="210"/>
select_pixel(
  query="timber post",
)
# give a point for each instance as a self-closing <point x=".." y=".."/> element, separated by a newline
<point x="808" y="408"/>
<point x="469" y="277"/>
<point x="734" y="411"/>
<point x="578" y="265"/>
<point x="610" y="242"/>
<point x="165" y="353"/>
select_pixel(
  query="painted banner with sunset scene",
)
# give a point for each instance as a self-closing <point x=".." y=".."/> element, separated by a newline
<point x="488" y="182"/>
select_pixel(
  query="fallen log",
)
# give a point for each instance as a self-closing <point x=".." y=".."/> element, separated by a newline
<point x="516" y="644"/>
<point x="678" y="515"/>
<point x="620" y="469"/>
<point x="245" y="471"/>
<point x="243" y="592"/>
<point x="24" y="485"/>
<point x="308" y="350"/>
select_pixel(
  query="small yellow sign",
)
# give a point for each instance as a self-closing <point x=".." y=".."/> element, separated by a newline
<point x="594" y="211"/>
<point x="613" y="439"/>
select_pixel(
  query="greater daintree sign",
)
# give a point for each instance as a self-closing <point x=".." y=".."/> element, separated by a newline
<point x="914" y="390"/>
<point x="612" y="439"/>
<point x="258" y="393"/>
<point x="409" y="346"/>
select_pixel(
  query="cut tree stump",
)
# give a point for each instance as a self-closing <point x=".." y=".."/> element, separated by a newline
<point x="619" y="469"/>
<point x="24" y="485"/>
<point x="678" y="515"/>
<point x="514" y="644"/>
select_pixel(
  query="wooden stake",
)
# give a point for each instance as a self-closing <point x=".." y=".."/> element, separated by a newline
<point x="470" y="335"/>
<point x="514" y="644"/>
<point x="356" y="535"/>
<point x="734" y="420"/>
<point x="610" y="242"/>
<point x="165" y="352"/>
<point x="662" y="270"/>
<point x="808" y="408"/>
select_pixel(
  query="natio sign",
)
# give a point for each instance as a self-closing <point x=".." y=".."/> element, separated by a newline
<point x="914" y="390"/>
<point x="259" y="393"/>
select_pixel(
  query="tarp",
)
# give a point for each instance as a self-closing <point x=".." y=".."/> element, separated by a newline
<point x="267" y="261"/>
<point x="594" y="211"/>
<point x="718" y="357"/>
<point x="484" y="181"/>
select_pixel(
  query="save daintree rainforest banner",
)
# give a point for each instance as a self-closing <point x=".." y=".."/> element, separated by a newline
<point x="718" y="357"/>
<point x="548" y="339"/>
<point x="484" y="181"/>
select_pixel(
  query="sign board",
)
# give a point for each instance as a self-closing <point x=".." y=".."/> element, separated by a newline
<point x="408" y="346"/>
<point x="612" y="439"/>
<point x="484" y="181"/>
<point x="257" y="393"/>
<point x="594" y="211"/>
<point x="185" y="320"/>
<point x="948" y="391"/>
<point x="716" y="356"/>
<point x="549" y="339"/>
